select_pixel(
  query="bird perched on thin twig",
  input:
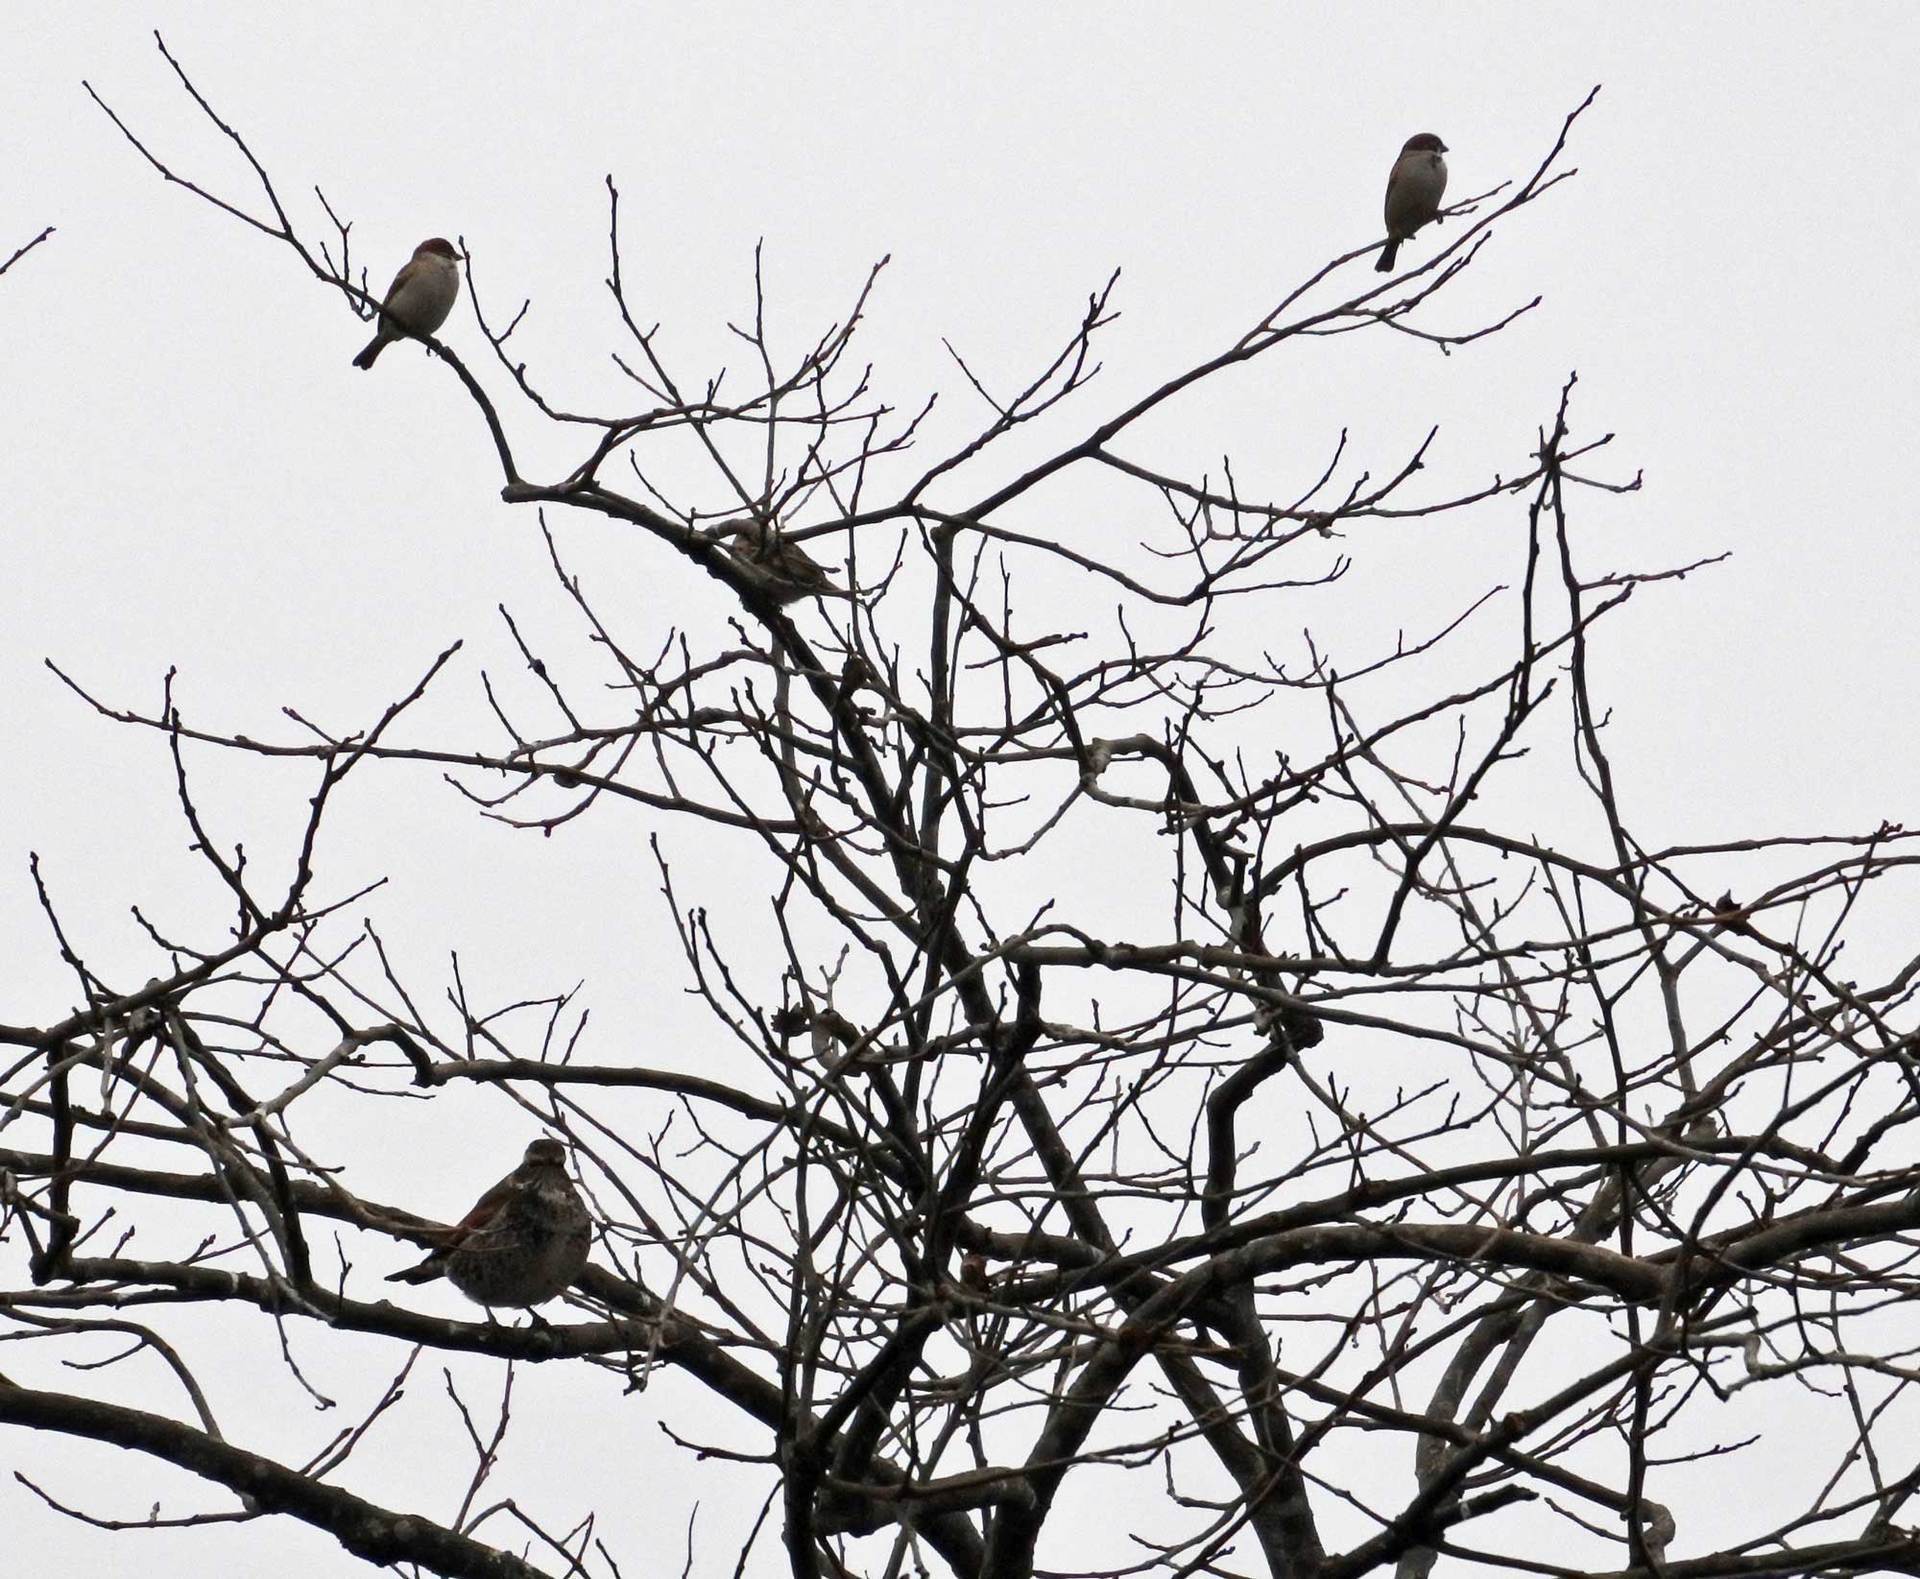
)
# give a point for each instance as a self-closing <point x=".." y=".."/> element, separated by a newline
<point x="1415" y="186"/>
<point x="524" y="1241"/>
<point x="786" y="571"/>
<point x="418" y="301"/>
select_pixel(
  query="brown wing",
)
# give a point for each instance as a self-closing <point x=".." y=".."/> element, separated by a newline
<point x="406" y="270"/>
<point x="483" y="1210"/>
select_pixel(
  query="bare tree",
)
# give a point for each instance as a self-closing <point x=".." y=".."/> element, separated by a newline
<point x="1380" y="1183"/>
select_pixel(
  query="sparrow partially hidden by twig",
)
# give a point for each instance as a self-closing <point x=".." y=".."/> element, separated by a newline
<point x="786" y="570"/>
<point x="524" y="1241"/>
<point x="418" y="301"/>
<point x="1415" y="186"/>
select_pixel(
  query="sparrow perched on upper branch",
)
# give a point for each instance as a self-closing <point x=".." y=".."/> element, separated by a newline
<point x="418" y="301"/>
<point x="786" y="570"/>
<point x="1414" y="188"/>
<point x="524" y="1241"/>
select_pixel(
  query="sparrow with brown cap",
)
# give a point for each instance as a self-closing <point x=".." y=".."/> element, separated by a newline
<point x="418" y="301"/>
<point x="1415" y="186"/>
<point x="524" y="1241"/>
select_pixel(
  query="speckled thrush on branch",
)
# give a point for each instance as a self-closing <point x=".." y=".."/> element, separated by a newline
<point x="785" y="570"/>
<point x="524" y="1241"/>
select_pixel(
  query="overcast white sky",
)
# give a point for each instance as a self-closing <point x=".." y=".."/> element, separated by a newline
<point x="192" y="475"/>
